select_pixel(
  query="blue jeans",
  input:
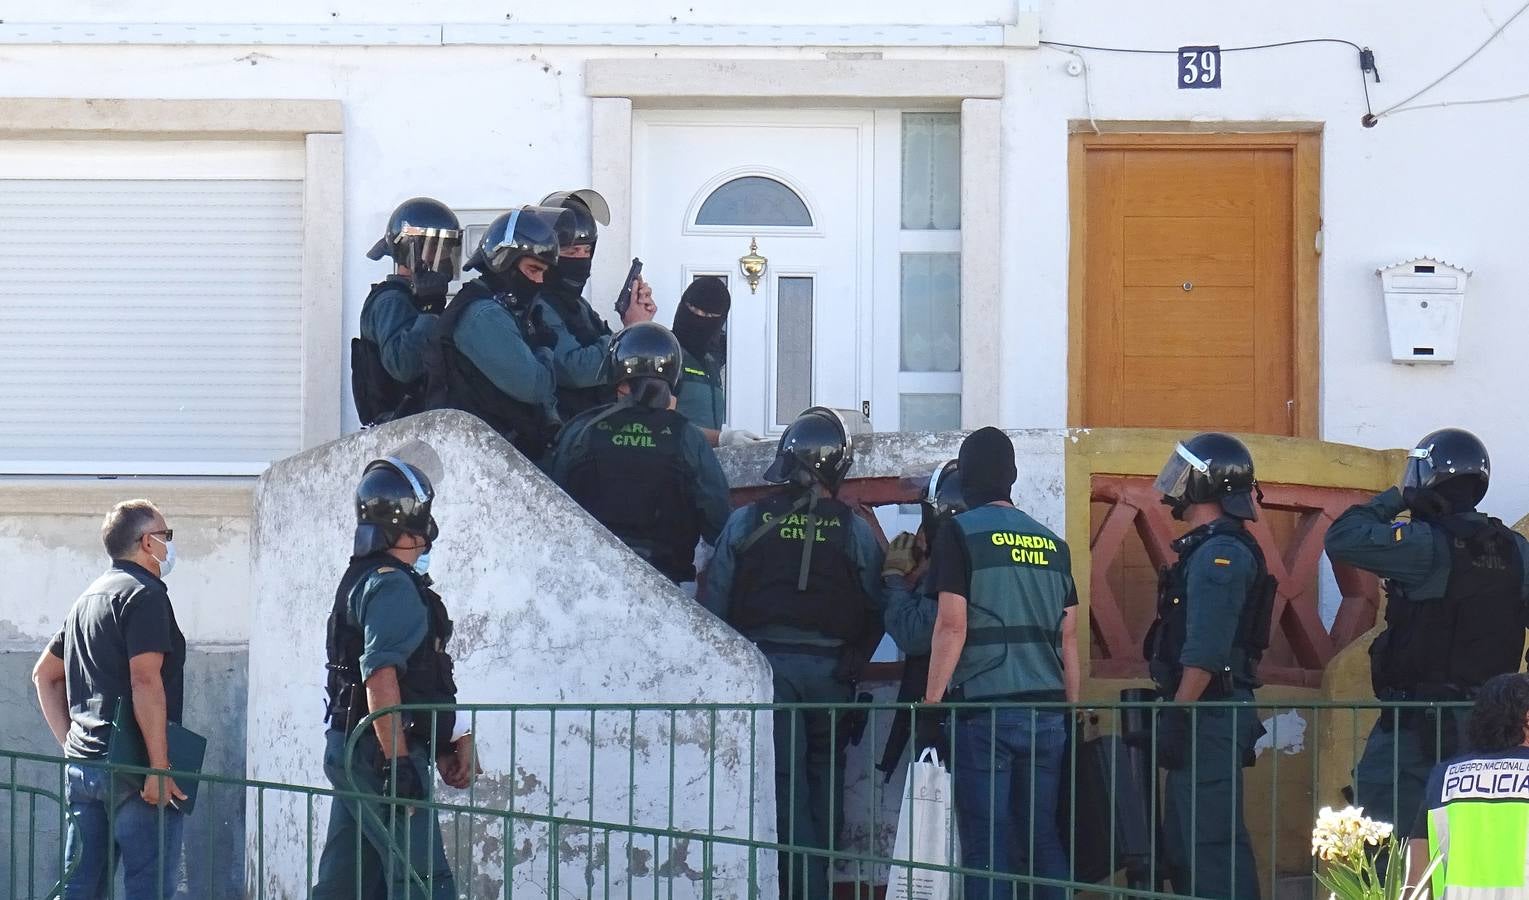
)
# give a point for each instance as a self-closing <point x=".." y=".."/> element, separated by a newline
<point x="110" y="822"/>
<point x="373" y="839"/>
<point x="1008" y="779"/>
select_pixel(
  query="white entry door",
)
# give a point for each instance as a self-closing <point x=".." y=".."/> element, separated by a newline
<point x="709" y="184"/>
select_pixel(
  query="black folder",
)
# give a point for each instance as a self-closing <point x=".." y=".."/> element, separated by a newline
<point x="187" y="751"/>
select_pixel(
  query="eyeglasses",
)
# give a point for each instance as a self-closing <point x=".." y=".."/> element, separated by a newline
<point x="168" y="533"/>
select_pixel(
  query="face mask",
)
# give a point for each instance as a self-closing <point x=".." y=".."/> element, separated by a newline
<point x="696" y="333"/>
<point x="422" y="565"/>
<point x="522" y="287"/>
<point x="572" y="273"/>
<point x="168" y="563"/>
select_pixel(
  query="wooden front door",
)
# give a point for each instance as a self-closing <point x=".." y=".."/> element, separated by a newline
<point x="1197" y="267"/>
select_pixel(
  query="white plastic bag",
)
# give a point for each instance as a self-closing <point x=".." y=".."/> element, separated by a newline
<point x="925" y="833"/>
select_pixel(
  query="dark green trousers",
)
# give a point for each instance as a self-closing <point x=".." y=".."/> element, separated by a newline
<point x="1205" y="837"/>
<point x="809" y="772"/>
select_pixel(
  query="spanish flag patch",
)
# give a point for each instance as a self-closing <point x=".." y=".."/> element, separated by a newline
<point x="1220" y="561"/>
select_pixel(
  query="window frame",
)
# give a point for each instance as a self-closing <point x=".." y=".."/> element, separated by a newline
<point x="701" y="196"/>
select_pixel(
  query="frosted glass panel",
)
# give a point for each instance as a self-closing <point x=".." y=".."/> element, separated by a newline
<point x="793" y="348"/>
<point x="931" y="171"/>
<point x="753" y="200"/>
<point x="930" y="412"/>
<point x="931" y="312"/>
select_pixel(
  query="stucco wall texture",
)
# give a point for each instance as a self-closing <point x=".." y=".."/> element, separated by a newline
<point x="549" y="608"/>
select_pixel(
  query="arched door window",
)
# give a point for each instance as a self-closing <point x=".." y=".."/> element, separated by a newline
<point x="754" y="200"/>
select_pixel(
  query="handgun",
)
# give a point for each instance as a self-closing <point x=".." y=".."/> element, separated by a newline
<point x="624" y="300"/>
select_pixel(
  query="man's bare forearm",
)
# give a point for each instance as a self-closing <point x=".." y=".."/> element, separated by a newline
<point x="52" y="694"/>
<point x="382" y="692"/>
<point x="1192" y="685"/>
<point x="149" y="710"/>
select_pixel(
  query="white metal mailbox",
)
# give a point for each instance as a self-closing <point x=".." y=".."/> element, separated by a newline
<point x="1424" y="301"/>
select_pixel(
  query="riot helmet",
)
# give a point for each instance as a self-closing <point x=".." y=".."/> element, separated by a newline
<point x="646" y="357"/>
<point x="393" y="499"/>
<point x="814" y="449"/>
<point x="529" y="231"/>
<point x="1453" y="462"/>
<point x="589" y="211"/>
<point x="1210" y="468"/>
<point x="940" y="497"/>
<point x="423" y="235"/>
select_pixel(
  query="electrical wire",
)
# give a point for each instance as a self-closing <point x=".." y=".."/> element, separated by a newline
<point x="1443" y="103"/>
<point x="1088" y="94"/>
<point x="1369" y="116"/>
<point x="1401" y="105"/>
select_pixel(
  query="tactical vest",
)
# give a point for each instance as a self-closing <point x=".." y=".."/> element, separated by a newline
<point x="1021" y="576"/>
<point x="379" y="396"/>
<point x="700" y="392"/>
<point x="765" y="593"/>
<point x="1165" y="639"/>
<point x="588" y="329"/>
<point x="427" y="676"/>
<point x="1446" y="648"/>
<point x="455" y="383"/>
<point x="629" y="472"/>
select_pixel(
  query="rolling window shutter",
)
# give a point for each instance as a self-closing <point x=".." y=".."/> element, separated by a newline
<point x="152" y="326"/>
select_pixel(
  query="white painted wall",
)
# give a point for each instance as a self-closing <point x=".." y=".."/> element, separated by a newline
<point x="490" y="126"/>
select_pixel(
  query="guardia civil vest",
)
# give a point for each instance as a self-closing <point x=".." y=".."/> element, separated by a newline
<point x="427" y="676"/>
<point x="1021" y="578"/>
<point x="628" y="472"/>
<point x="1447" y="647"/>
<point x="765" y="588"/>
<point x="379" y="396"/>
<point x="588" y="329"/>
<point x="1165" y="639"/>
<point x="455" y="383"/>
<point x="700" y="396"/>
<point x="1478" y="816"/>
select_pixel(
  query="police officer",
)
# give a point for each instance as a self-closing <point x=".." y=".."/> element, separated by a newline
<point x="1005" y="634"/>
<point x="638" y="466"/>
<point x="387" y="362"/>
<point x="798" y="574"/>
<point x="582" y="335"/>
<point x="386" y="646"/>
<point x="1479" y="803"/>
<point x="1455" y="587"/>
<point x="911" y="607"/>
<point x="488" y="356"/>
<point x="700" y="322"/>
<point x="1211" y="630"/>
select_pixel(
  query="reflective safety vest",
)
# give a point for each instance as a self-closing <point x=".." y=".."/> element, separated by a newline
<point x="765" y="589"/>
<point x="1021" y="578"/>
<point x="1165" y="638"/>
<point x="1445" y="648"/>
<point x="1478" y="817"/>
<point x="427" y="676"/>
<point x="629" y="473"/>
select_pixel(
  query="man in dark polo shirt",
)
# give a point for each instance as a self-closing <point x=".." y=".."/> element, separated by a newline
<point x="120" y="640"/>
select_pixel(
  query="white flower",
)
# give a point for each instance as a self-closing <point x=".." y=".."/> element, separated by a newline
<point x="1342" y="836"/>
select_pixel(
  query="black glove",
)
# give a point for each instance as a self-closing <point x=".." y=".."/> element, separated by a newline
<point x="1425" y="503"/>
<point x="540" y="334"/>
<point x="930" y="724"/>
<point x="429" y="290"/>
<point x="1173" y="738"/>
<point x="402" y="780"/>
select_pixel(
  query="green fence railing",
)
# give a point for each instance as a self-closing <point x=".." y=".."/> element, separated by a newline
<point x="679" y="800"/>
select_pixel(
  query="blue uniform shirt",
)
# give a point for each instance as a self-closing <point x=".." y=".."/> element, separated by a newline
<point x="1218" y="577"/>
<point x="490" y="338"/>
<point x="392" y="617"/>
<point x="390" y="320"/>
<point x="701" y="397"/>
<point x="864" y="551"/>
<point x="574" y="364"/>
<point x="1413" y="554"/>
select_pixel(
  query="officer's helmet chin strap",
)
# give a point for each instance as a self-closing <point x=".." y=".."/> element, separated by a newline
<point x="810" y="537"/>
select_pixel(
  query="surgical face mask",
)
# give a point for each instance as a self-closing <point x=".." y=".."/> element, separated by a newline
<point x="422" y="565"/>
<point x="168" y="563"/>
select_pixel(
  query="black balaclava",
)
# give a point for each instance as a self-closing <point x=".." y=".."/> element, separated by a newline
<point x="696" y="333"/>
<point x="1462" y="494"/>
<point x="571" y="274"/>
<point x="514" y="281"/>
<point x="986" y="463"/>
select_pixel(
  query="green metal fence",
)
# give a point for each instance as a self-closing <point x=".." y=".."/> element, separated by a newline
<point x="678" y="800"/>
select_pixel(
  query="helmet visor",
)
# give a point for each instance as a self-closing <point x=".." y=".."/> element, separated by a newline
<point x="431" y="249"/>
<point x="1174" y="478"/>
